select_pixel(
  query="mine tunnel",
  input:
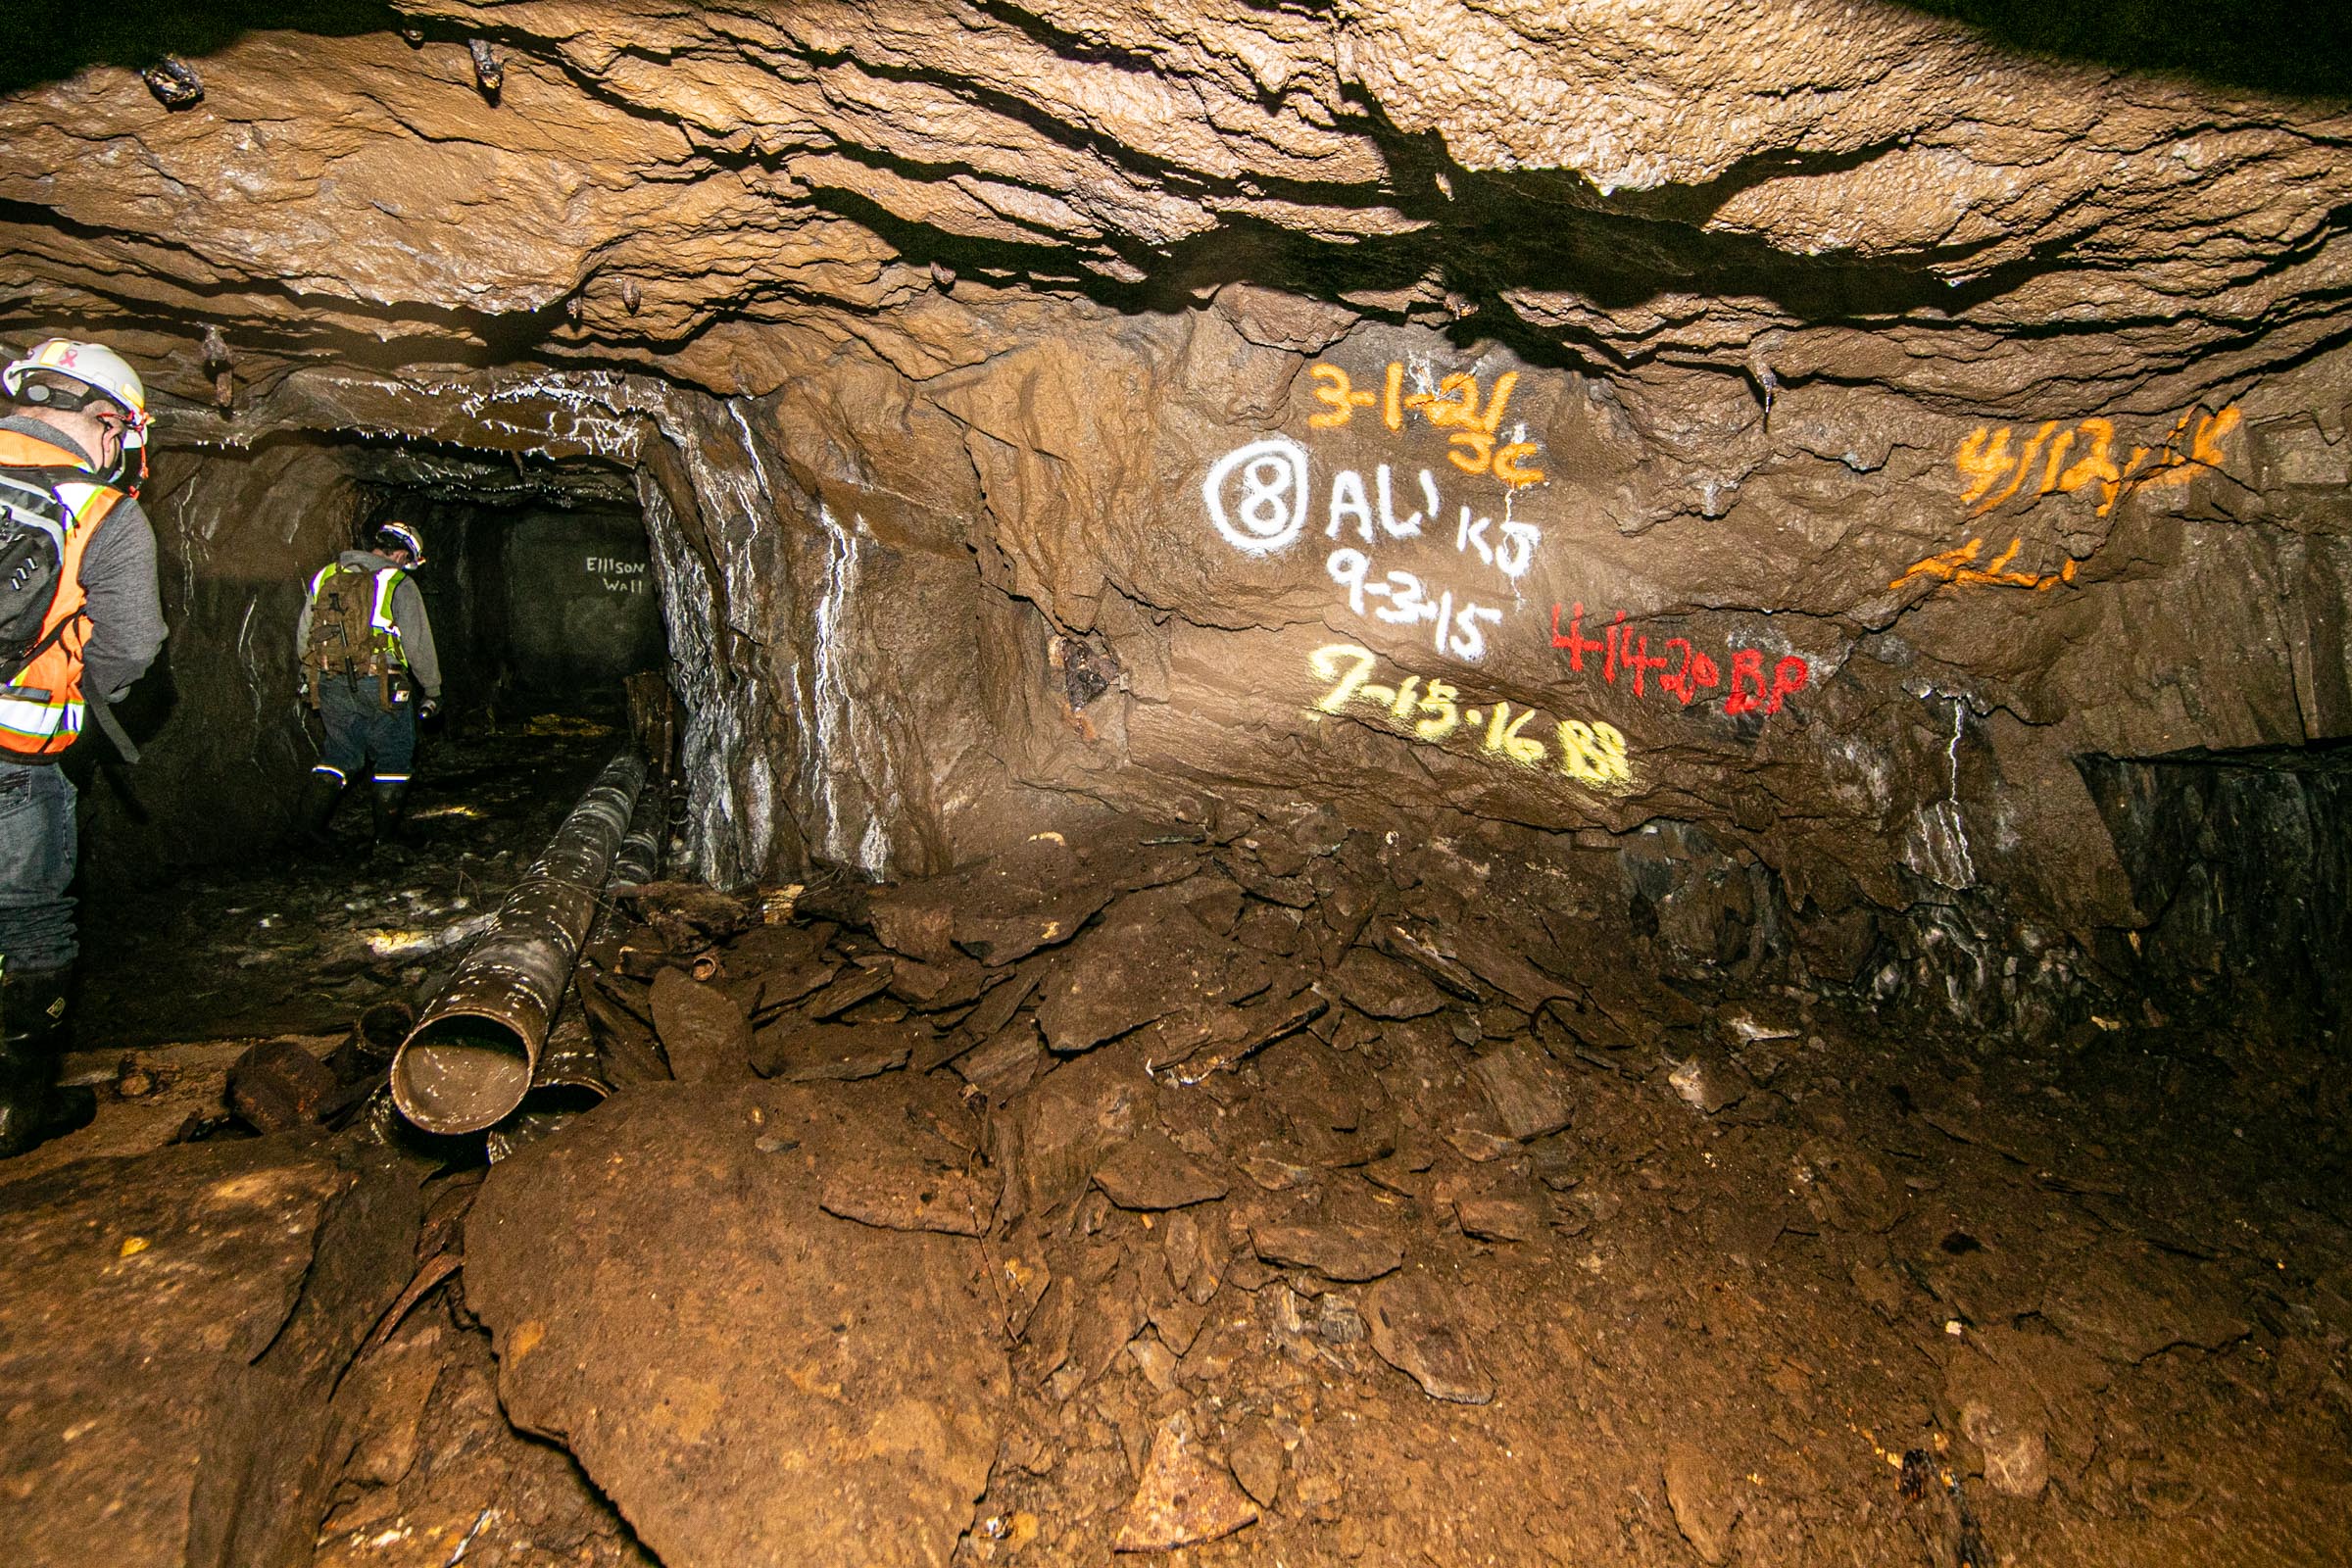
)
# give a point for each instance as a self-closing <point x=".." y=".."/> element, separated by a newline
<point x="1370" y="784"/>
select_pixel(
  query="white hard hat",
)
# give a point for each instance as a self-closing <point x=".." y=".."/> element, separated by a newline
<point x="94" y="365"/>
<point x="400" y="536"/>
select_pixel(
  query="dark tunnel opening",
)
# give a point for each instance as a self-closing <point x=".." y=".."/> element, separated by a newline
<point x="540" y="589"/>
<point x="539" y="604"/>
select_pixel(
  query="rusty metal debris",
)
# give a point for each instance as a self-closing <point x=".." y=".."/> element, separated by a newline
<point x="174" y="84"/>
<point x="472" y="1057"/>
<point x="489" y="72"/>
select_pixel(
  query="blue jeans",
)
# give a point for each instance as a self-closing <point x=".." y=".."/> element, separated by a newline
<point x="36" y="866"/>
<point x="357" y="729"/>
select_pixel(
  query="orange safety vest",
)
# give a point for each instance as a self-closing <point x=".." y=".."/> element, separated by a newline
<point x="41" y="710"/>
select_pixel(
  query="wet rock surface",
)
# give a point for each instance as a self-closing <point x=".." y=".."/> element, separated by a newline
<point x="302" y="944"/>
<point x="174" y="1327"/>
<point x="1208" y="347"/>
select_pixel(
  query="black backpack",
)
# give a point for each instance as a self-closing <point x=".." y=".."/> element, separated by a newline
<point x="33" y="520"/>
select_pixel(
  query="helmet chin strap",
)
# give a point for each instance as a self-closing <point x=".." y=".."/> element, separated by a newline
<point x="121" y="476"/>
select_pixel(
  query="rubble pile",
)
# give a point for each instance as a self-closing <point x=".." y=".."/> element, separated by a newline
<point x="1296" y="1193"/>
<point x="1315" y="1193"/>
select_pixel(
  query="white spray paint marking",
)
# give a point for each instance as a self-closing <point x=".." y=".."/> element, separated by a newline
<point x="1270" y="509"/>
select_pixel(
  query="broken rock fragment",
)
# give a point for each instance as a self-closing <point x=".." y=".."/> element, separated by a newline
<point x="1527" y="1090"/>
<point x="1149" y="957"/>
<point x="1256" y="1455"/>
<point x="1008" y="1063"/>
<point x="1698" y="1490"/>
<point x="1413" y="1327"/>
<point x="1706" y="1087"/>
<point x="1347" y="1253"/>
<point x="1185" y="1498"/>
<point x="1149" y="1172"/>
<point x="1497" y="1219"/>
<point x="841" y="1052"/>
<point x="845" y="993"/>
<point x="899" y="1197"/>
<point x="750" y="1379"/>
<point x="1385" y="988"/>
<point x="1063" y="1126"/>
<point x="703" y="1029"/>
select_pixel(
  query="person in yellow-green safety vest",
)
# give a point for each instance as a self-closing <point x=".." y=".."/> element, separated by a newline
<point x="369" y="669"/>
<point x="80" y="619"/>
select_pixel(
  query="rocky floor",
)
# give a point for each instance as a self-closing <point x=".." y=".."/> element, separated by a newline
<point x="1299" y="1197"/>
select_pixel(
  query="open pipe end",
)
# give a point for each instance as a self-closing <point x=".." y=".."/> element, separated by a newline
<point x="460" y="1072"/>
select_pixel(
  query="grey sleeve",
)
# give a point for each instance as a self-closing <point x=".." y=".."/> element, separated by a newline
<point x="417" y="637"/>
<point x="125" y="607"/>
<point x="302" y="634"/>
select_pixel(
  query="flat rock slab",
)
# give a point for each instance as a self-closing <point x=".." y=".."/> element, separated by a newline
<point x="2126" y="1302"/>
<point x="1061" y="1127"/>
<point x="704" y="1031"/>
<point x="748" y="1378"/>
<point x="853" y="987"/>
<point x="1527" y="1090"/>
<point x="1149" y="957"/>
<point x="1699" y="1491"/>
<point x="1347" y="1252"/>
<point x="899" y="1195"/>
<point x="1413" y="1327"/>
<point x="1385" y="988"/>
<point x="1498" y="1219"/>
<point x="834" y="1053"/>
<point x="1185" y="1498"/>
<point x="1151" y="1172"/>
<point x="1006" y="1064"/>
<point x="1035" y="894"/>
<point x="139" y="1292"/>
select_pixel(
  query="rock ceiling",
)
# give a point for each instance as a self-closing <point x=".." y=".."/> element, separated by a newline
<point x="1796" y="190"/>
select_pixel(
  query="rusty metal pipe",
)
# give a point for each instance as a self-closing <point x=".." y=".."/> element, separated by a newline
<point x="639" y="857"/>
<point x="572" y="1075"/>
<point x="470" y="1058"/>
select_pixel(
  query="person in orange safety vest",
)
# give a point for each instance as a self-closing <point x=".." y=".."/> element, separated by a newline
<point x="80" y="619"/>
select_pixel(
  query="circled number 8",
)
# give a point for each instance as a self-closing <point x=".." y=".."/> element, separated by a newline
<point x="1270" y="510"/>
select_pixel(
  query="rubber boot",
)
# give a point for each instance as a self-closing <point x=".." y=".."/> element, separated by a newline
<point x="387" y="804"/>
<point x="33" y="1108"/>
<point x="319" y="793"/>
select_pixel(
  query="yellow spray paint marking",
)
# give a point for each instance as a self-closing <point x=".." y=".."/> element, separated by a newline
<point x="1958" y="567"/>
<point x="1471" y="420"/>
<point x="132" y="1245"/>
<point x="525" y="1338"/>
<point x="1985" y="458"/>
<point x="1591" y="753"/>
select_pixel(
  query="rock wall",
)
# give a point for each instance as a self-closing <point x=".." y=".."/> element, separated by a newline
<point x="216" y="719"/>
<point x="577" y="604"/>
<point x="1774" y="446"/>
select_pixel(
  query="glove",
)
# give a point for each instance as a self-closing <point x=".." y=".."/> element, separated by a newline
<point x="428" y="709"/>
